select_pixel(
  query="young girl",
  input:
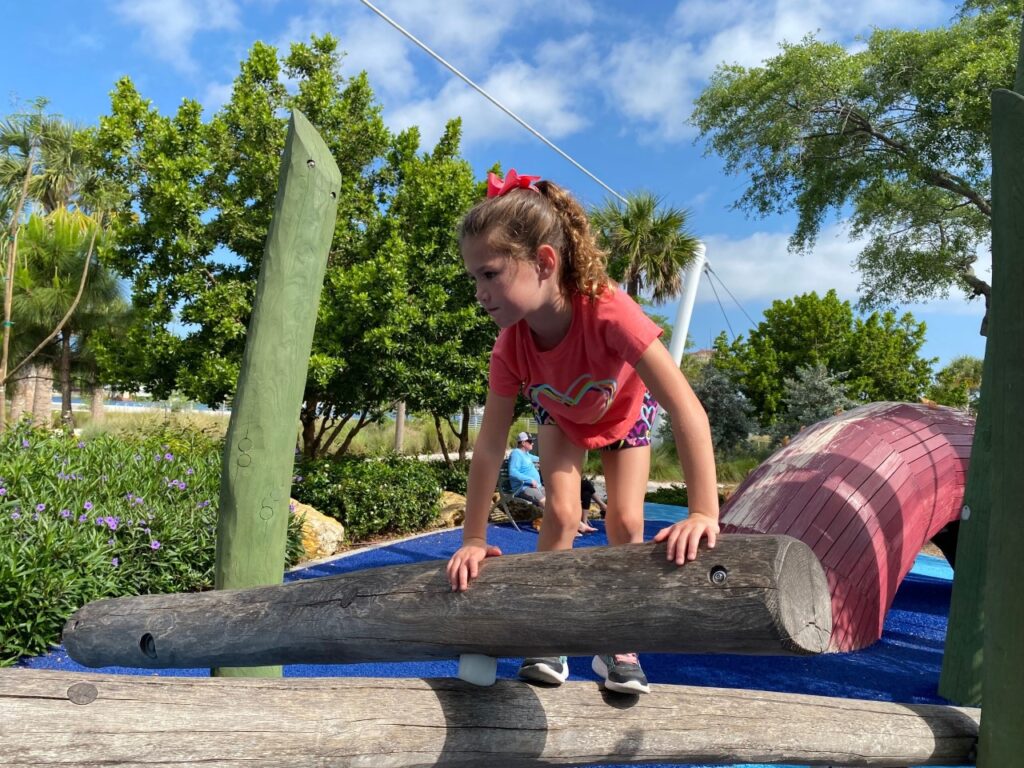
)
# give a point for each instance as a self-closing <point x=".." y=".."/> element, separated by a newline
<point x="590" y="362"/>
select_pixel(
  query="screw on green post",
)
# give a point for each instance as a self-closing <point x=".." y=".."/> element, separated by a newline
<point x="259" y="450"/>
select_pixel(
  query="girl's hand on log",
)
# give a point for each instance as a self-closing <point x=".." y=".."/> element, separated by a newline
<point x="684" y="537"/>
<point x="465" y="563"/>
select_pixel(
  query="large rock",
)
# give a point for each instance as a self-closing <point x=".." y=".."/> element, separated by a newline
<point x="453" y="510"/>
<point x="322" y="536"/>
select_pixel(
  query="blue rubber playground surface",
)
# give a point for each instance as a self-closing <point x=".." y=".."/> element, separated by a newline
<point x="902" y="667"/>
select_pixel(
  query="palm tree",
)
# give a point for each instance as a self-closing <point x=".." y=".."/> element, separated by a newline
<point x="61" y="289"/>
<point x="648" y="244"/>
<point x="43" y="164"/>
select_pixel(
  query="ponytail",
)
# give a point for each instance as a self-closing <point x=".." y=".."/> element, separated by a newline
<point x="519" y="221"/>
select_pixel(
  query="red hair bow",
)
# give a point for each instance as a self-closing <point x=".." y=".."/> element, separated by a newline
<point x="496" y="187"/>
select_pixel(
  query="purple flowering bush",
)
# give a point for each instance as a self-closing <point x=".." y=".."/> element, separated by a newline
<point x="108" y="516"/>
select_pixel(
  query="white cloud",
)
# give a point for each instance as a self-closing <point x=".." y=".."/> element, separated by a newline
<point x="651" y="82"/>
<point x="167" y="27"/>
<point x="655" y="73"/>
<point x="545" y="103"/>
<point x="760" y="267"/>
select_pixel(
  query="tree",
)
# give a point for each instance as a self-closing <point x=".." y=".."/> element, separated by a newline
<point x="648" y="245"/>
<point x="62" y="292"/>
<point x="812" y="395"/>
<point x="879" y="353"/>
<point x="729" y="411"/>
<point x="449" y="347"/>
<point x="894" y="136"/>
<point x="45" y="163"/>
<point x="193" y="239"/>
<point x="958" y="384"/>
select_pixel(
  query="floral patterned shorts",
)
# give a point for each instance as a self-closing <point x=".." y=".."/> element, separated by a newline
<point x="639" y="434"/>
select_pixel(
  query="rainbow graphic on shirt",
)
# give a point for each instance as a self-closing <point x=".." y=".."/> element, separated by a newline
<point x="571" y="398"/>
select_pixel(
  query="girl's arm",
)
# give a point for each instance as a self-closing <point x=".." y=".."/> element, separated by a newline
<point x="488" y="453"/>
<point x="696" y="454"/>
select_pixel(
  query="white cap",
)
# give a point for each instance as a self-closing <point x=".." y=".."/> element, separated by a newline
<point x="523" y="437"/>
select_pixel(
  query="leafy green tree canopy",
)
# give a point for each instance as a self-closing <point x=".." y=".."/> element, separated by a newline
<point x="879" y="354"/>
<point x="958" y="384"/>
<point x="812" y="395"/>
<point x="894" y="136"/>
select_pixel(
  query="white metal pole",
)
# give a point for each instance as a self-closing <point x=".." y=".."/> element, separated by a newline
<point x="691" y="277"/>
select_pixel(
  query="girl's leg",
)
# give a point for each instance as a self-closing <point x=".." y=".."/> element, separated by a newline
<point x="561" y="466"/>
<point x="626" y="471"/>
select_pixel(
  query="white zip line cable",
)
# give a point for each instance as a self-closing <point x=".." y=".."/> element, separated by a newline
<point x="486" y="95"/>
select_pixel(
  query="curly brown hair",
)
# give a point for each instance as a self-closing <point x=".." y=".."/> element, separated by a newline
<point x="520" y="221"/>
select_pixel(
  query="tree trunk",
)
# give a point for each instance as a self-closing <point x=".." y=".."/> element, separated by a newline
<point x="441" y="440"/>
<point x="464" y="434"/>
<point x="68" y="718"/>
<point x="66" y="418"/>
<point x="23" y="395"/>
<point x="42" y="402"/>
<point x="97" y="411"/>
<point x="400" y="427"/>
<point x="755" y="594"/>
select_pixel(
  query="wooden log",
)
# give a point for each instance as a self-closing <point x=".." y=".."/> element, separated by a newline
<point x="751" y="594"/>
<point x="259" y="450"/>
<point x="75" y="719"/>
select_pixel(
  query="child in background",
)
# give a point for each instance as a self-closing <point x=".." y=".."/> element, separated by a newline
<point x="590" y="362"/>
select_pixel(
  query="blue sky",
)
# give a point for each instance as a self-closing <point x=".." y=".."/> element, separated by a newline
<point x="611" y="83"/>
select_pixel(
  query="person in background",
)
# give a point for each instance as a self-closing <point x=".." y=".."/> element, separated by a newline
<point x="523" y="475"/>
<point x="588" y="497"/>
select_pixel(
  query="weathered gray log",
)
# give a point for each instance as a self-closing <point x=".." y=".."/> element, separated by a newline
<point x="75" y="719"/>
<point x="752" y="594"/>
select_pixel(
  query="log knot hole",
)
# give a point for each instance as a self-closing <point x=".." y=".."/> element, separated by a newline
<point x="82" y="693"/>
<point x="147" y="644"/>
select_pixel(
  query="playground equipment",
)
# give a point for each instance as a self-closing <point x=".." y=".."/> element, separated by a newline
<point x="865" y="490"/>
<point x="751" y="594"/>
<point x="58" y="718"/>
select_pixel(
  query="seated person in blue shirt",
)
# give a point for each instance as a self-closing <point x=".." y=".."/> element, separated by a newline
<point x="522" y="471"/>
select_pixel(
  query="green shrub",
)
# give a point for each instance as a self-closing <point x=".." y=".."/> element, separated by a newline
<point x="114" y="515"/>
<point x="674" y="495"/>
<point x="451" y="478"/>
<point x="373" y="496"/>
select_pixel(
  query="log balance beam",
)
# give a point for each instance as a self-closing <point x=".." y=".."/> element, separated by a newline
<point x="76" y="719"/>
<point x="752" y="594"/>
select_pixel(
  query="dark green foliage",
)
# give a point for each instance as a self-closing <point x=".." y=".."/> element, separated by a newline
<point x="451" y="478"/>
<point x="892" y="134"/>
<point x="372" y="496"/>
<point x="958" y="384"/>
<point x="879" y="353"/>
<point x="728" y="409"/>
<point x="812" y="395"/>
<point x="113" y="515"/>
<point x="675" y="495"/>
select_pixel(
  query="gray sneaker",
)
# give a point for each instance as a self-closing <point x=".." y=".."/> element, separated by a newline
<point x="545" y="669"/>
<point x="621" y="673"/>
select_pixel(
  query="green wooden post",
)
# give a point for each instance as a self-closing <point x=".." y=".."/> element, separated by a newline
<point x="260" y="449"/>
<point x="1001" y="740"/>
<point x="961" y="662"/>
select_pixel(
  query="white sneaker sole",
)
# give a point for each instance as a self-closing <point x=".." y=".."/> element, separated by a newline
<point x="542" y="673"/>
<point x="632" y="686"/>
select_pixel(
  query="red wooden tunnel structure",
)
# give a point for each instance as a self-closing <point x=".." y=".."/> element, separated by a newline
<point x="865" y="490"/>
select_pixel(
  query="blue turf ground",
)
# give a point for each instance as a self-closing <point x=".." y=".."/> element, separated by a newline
<point x="902" y="667"/>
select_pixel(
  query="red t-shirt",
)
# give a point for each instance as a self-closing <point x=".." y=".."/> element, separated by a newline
<point x="587" y="382"/>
